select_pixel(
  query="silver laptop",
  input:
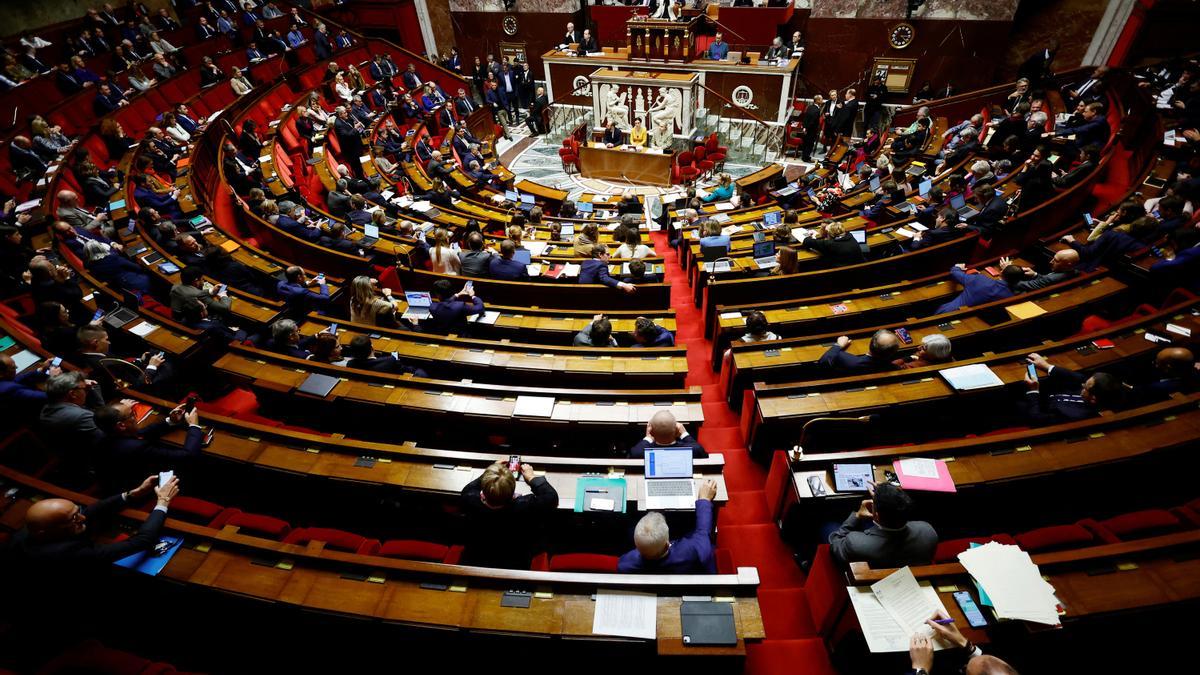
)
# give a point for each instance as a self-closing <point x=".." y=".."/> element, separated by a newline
<point x="764" y="255"/>
<point x="668" y="474"/>
<point x="370" y="235"/>
<point x="959" y="203"/>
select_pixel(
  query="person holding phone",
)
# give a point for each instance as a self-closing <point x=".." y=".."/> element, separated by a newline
<point x="449" y="310"/>
<point x="19" y="394"/>
<point x="501" y="529"/>
<point x="128" y="450"/>
<point x="1063" y="395"/>
<point x="295" y="291"/>
<point x="880" y="533"/>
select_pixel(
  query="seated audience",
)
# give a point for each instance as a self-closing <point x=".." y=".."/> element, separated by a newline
<point x="655" y="553"/>
<point x="881" y="534"/>
<point x="880" y="356"/>
<point x="664" y="431"/>
<point x="502" y="529"/>
<point x="1063" y="395"/>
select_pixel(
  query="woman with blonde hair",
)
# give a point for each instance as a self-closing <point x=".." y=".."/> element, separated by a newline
<point x="589" y="236"/>
<point x="364" y="290"/>
<point x="355" y="78"/>
<point x="723" y="190"/>
<point x="516" y="234"/>
<point x="445" y="261"/>
<point x="342" y="88"/>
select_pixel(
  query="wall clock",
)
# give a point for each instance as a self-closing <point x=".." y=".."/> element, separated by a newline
<point x="901" y="35"/>
<point x="510" y="25"/>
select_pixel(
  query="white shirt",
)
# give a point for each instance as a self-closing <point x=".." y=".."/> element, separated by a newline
<point x="449" y="263"/>
<point x="344" y="91"/>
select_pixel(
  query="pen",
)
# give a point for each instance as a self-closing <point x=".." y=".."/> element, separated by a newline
<point x="598" y="492"/>
<point x="943" y="622"/>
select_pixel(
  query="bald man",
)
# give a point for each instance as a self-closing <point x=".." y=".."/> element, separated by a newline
<point x="970" y="659"/>
<point x="1175" y="370"/>
<point x="664" y="431"/>
<point x="1062" y="267"/>
<point x="56" y="530"/>
<point x="880" y="355"/>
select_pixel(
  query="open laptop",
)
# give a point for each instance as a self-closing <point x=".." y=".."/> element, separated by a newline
<point x="874" y="183"/>
<point x="924" y="187"/>
<point x="370" y="235"/>
<point x="120" y="317"/>
<point x="861" y="237"/>
<point x="512" y="196"/>
<point x="523" y="256"/>
<point x="764" y="254"/>
<point x="418" y="305"/>
<point x="959" y="203"/>
<point x="669" y="483"/>
<point x="772" y="218"/>
<point x="526" y="203"/>
<point x="584" y="207"/>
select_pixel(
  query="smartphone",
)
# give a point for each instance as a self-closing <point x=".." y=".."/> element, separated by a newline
<point x="514" y="465"/>
<point x="966" y="603"/>
<point x="56" y="362"/>
<point x="1087" y="218"/>
<point x="189" y="404"/>
<point x="333" y="329"/>
<point x="469" y="288"/>
<point x="321" y="278"/>
<point x="98" y="315"/>
<point x="221" y="289"/>
<point x="1031" y="371"/>
<point x="902" y="333"/>
<point x="164" y="476"/>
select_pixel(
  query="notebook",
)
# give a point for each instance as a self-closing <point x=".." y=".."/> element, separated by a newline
<point x="317" y="385"/>
<point x="668" y="477"/>
<point x="974" y="376"/>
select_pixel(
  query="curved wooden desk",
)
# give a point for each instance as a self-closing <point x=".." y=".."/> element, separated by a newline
<point x="647" y="168"/>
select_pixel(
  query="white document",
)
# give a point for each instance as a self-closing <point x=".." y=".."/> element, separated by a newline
<point x="603" y="504"/>
<point x="902" y="598"/>
<point x="801" y="233"/>
<point x="724" y="206"/>
<point x="881" y="631"/>
<point x="534" y="406"/>
<point x="422" y="206"/>
<point x="906" y="233"/>
<point x="721" y="217"/>
<point x="26" y="206"/>
<point x="731" y="315"/>
<point x="535" y="248"/>
<point x="24" y="359"/>
<point x="143" y="329"/>
<point x="534" y="269"/>
<point x="627" y="614"/>
<point x="974" y="376"/>
<point x="571" y="270"/>
<point x="917" y="226"/>
<point x="919" y="467"/>
<point x="730" y="229"/>
<point x="1013" y="582"/>
<point x="487" y="318"/>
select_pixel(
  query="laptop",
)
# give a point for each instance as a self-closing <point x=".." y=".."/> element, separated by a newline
<point x="874" y="183"/>
<point x="959" y="203"/>
<point x="418" y="305"/>
<point x="772" y="218"/>
<point x="523" y="256"/>
<point x="512" y="196"/>
<point x="668" y="474"/>
<point x="584" y="207"/>
<point x="370" y="235"/>
<point x="861" y="237"/>
<point x="924" y="187"/>
<point x="764" y="254"/>
<point x="119" y="318"/>
<point x="318" y="385"/>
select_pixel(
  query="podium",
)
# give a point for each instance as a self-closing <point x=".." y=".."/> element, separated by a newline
<point x="660" y="40"/>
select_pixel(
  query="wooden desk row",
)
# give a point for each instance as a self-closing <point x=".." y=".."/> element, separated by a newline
<point x="431" y="595"/>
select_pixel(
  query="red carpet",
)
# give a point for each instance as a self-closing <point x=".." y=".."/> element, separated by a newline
<point x="744" y="524"/>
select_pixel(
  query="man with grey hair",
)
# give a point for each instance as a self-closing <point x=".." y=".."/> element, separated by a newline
<point x="922" y="113"/>
<point x="934" y="349"/>
<point x="65" y="421"/>
<point x="70" y="212"/>
<point x="778" y="50"/>
<point x="338" y="200"/>
<point x="655" y="553"/>
<point x="664" y="431"/>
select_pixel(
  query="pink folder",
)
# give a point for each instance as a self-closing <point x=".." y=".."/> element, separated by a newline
<point x="922" y="480"/>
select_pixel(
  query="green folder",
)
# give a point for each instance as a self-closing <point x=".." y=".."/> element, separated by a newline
<point x="602" y="488"/>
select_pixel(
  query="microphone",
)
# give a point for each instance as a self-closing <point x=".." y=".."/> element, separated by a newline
<point x="798" y="449"/>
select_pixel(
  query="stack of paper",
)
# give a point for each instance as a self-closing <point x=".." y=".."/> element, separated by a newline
<point x="626" y="614"/>
<point x="1013" y="583"/>
<point x="891" y="611"/>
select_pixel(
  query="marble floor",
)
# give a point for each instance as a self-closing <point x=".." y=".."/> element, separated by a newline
<point x="539" y="162"/>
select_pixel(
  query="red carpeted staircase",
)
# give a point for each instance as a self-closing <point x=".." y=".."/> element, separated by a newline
<point x="744" y="525"/>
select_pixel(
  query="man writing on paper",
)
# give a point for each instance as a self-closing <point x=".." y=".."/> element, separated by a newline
<point x="655" y="553"/>
<point x="881" y="535"/>
<point x="920" y="651"/>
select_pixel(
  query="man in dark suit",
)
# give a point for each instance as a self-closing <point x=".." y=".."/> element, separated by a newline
<point x="449" y="310"/>
<point x="349" y="137"/>
<point x="655" y="553"/>
<point x="537" y="124"/>
<point x="1093" y="130"/>
<point x="66" y="421"/>
<point x="946" y="228"/>
<point x="94" y="349"/>
<point x="412" y="81"/>
<point x="993" y="209"/>
<point x="24" y="160"/>
<point x="843" y="119"/>
<point x="294" y="292"/>
<point x="1062" y="267"/>
<point x="130" y="451"/>
<point x="464" y="105"/>
<point x="1037" y="67"/>
<point x="881" y="353"/>
<point x="55" y="530"/>
<point x="836" y="246"/>
<point x="204" y="30"/>
<point x="362" y="355"/>
<point x="1063" y="395"/>
<point x="881" y="534"/>
<point x="664" y="431"/>
<point x="595" y="271"/>
<point x="19" y="395"/>
<point x="1174" y="371"/>
<point x="810" y="120"/>
<point x="285" y="338"/>
<point x="382" y="70"/>
<point x="572" y="36"/>
<point x="978" y="289"/>
<point x="501" y="528"/>
<point x="612" y="135"/>
<point x="321" y="43"/>
<point x="503" y="267"/>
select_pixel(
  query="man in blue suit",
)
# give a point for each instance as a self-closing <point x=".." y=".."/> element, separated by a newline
<point x="503" y="266"/>
<point x="978" y="289"/>
<point x="449" y="310"/>
<point x="166" y="204"/>
<point x="719" y="49"/>
<point x="411" y="79"/>
<point x="19" y="395"/>
<point x="880" y="355"/>
<point x="655" y="553"/>
<point x="1063" y="395"/>
<point x="1093" y="130"/>
<point x="295" y="294"/>
<point x="595" y="271"/>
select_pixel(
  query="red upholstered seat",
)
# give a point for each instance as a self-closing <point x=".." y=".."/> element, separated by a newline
<point x="233" y="404"/>
<point x="825" y="591"/>
<point x="254" y="524"/>
<point x="195" y="510"/>
<point x="1055" y="538"/>
<point x="788" y="657"/>
<point x="414" y="549"/>
<point x="760" y="546"/>
<point x="947" y="551"/>
<point x="335" y="539"/>
<point x="1148" y="523"/>
<point x="583" y="562"/>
